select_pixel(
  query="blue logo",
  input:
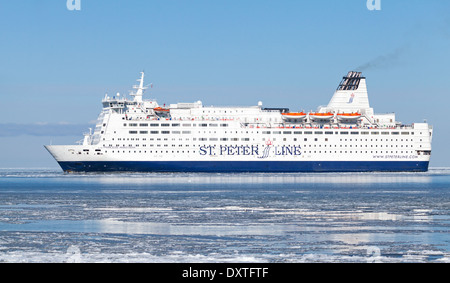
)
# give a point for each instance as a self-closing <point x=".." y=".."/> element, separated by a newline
<point x="351" y="98"/>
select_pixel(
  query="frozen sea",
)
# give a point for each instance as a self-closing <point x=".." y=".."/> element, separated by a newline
<point x="49" y="216"/>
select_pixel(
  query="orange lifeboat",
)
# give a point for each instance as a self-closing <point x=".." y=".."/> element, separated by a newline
<point x="161" y="110"/>
<point x="321" y="116"/>
<point x="294" y="115"/>
<point x="349" y="116"/>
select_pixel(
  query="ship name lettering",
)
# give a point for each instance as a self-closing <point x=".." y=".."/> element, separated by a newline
<point x="249" y="150"/>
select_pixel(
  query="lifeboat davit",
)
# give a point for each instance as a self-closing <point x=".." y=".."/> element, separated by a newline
<point x="348" y="116"/>
<point x="321" y="116"/>
<point x="294" y="115"/>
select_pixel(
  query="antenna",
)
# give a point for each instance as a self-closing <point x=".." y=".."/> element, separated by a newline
<point x="139" y="89"/>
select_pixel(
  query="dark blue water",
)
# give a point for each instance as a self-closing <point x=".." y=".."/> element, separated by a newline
<point x="48" y="216"/>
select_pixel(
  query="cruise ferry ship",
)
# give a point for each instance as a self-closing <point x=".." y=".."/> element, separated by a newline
<point x="137" y="135"/>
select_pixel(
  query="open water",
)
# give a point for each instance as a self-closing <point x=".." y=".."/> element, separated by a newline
<point x="49" y="216"/>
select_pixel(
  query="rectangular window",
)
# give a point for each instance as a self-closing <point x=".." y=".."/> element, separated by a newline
<point x="165" y="125"/>
<point x="154" y="125"/>
<point x="132" y="132"/>
<point x="308" y="133"/>
<point x="175" y="125"/>
<point x="143" y="125"/>
<point x="385" y="133"/>
<point x="405" y="133"/>
<point x="143" y="132"/>
<point x="328" y="133"/>
<point x="186" y="125"/>
<point x="154" y="132"/>
<point x="203" y="125"/>
<point x="364" y="133"/>
<point x="344" y="133"/>
<point x="165" y="132"/>
<point x="354" y="133"/>
<point x="375" y="133"/>
<point x="133" y="125"/>
<point x="186" y="132"/>
<point x="318" y="132"/>
<point x="297" y="133"/>
<point x="287" y="132"/>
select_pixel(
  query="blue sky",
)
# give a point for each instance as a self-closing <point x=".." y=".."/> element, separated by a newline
<point x="56" y="65"/>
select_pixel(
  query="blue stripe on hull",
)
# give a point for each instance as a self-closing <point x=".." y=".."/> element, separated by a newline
<point x="246" y="166"/>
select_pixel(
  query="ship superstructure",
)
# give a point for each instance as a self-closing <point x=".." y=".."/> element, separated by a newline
<point x="140" y="135"/>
